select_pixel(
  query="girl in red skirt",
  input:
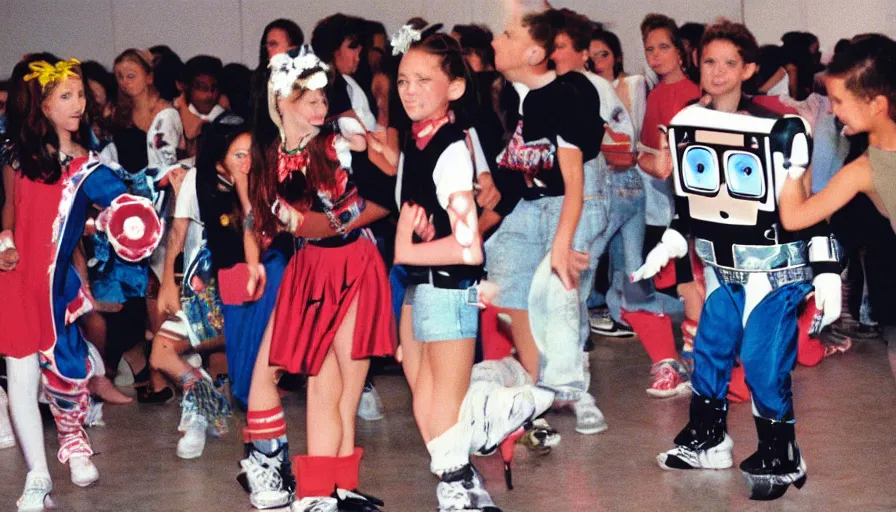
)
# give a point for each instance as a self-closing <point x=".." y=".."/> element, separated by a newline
<point x="334" y="305"/>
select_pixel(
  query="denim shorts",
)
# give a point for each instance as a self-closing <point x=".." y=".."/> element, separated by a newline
<point x="441" y="314"/>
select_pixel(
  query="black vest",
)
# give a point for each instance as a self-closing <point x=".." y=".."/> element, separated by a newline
<point x="418" y="187"/>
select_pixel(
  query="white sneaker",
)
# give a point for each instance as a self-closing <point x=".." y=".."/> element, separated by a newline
<point x="370" y="408"/>
<point x="191" y="445"/>
<point x="36" y="495"/>
<point x="315" y="505"/>
<point x="589" y="419"/>
<point x="83" y="471"/>
<point x="266" y="486"/>
<point x="682" y="457"/>
<point x="7" y="438"/>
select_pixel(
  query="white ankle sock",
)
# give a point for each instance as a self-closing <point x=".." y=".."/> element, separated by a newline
<point x="449" y="451"/>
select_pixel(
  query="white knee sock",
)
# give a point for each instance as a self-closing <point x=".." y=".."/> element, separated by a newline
<point x="24" y="381"/>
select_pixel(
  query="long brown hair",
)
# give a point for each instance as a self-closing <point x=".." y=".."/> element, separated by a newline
<point x="265" y="184"/>
<point x="37" y="140"/>
<point x="124" y="106"/>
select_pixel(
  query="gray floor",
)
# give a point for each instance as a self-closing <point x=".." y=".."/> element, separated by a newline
<point x="845" y="408"/>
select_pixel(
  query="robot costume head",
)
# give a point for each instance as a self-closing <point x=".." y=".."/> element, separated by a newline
<point x="732" y="166"/>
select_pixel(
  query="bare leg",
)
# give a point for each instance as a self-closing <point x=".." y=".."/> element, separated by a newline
<point x="324" y="423"/>
<point x="410" y="347"/>
<point x="451" y="363"/>
<point x="354" y="373"/>
<point x="526" y="350"/>
<point x="423" y="396"/>
<point x="263" y="393"/>
<point x="165" y="356"/>
<point x="694" y="295"/>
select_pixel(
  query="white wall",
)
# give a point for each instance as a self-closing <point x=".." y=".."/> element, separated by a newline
<point x="231" y="29"/>
<point x="837" y="19"/>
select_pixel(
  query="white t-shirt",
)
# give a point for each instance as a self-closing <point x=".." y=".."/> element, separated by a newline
<point x="453" y="173"/>
<point x="781" y="87"/>
<point x="187" y="207"/>
<point x="360" y="104"/>
<point x="636" y="86"/>
<point x="216" y="111"/>
<point x="163" y="137"/>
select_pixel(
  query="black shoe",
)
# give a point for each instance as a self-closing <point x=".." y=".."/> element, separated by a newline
<point x="147" y="396"/>
<point x="603" y="324"/>
<point x="356" y="501"/>
<point x="777" y="462"/>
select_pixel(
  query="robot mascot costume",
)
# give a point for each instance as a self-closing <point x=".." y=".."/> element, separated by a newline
<point x="728" y="171"/>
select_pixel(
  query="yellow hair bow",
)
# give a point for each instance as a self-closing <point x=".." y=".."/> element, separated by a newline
<point x="47" y="73"/>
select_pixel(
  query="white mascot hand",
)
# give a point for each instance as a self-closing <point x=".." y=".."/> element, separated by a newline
<point x="799" y="157"/>
<point x="828" y="297"/>
<point x="673" y="245"/>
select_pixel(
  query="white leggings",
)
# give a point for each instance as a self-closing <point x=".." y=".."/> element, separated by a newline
<point x="24" y="382"/>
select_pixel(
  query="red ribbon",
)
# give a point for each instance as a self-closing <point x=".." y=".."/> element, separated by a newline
<point x="424" y="131"/>
<point x="288" y="163"/>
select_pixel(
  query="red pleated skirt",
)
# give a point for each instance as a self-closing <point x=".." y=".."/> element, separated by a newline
<point x="318" y="287"/>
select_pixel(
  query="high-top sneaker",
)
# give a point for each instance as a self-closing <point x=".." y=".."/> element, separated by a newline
<point x="777" y="462"/>
<point x="7" y="438"/>
<point x="463" y="490"/>
<point x="324" y="504"/>
<point x="704" y="443"/>
<point x="267" y="478"/>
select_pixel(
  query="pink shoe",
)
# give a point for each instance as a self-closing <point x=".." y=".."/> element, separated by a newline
<point x="669" y="379"/>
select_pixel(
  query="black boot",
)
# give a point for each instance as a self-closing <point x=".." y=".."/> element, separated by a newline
<point x="777" y="462"/>
<point x="704" y="442"/>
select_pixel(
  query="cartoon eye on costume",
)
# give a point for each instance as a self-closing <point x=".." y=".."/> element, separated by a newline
<point x="700" y="169"/>
<point x="744" y="175"/>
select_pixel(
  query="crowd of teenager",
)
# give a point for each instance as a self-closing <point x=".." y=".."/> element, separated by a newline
<point x="471" y="205"/>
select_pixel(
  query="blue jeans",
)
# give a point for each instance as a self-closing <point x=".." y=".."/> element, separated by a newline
<point x="766" y="341"/>
<point x="627" y="207"/>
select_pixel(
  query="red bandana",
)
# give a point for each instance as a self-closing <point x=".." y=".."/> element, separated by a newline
<point x="424" y="131"/>
<point x="290" y="162"/>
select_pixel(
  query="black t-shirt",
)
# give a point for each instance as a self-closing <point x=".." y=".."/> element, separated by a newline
<point x="337" y="97"/>
<point x="566" y="109"/>
<point x="130" y="143"/>
<point x="221" y="214"/>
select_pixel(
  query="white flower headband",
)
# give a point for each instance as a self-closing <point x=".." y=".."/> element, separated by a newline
<point x="286" y="70"/>
<point x="402" y="40"/>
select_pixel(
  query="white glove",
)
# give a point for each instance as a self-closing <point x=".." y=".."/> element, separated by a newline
<point x="799" y="158"/>
<point x="349" y="126"/>
<point x="828" y="297"/>
<point x="672" y="245"/>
